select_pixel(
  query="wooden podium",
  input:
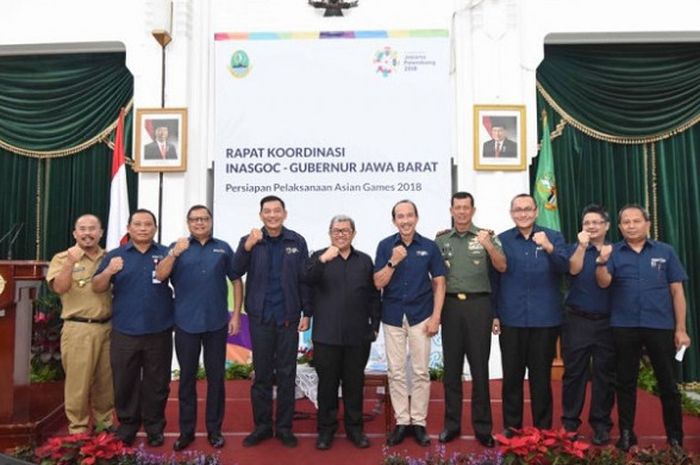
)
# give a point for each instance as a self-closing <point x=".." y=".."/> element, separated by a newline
<point x="25" y="410"/>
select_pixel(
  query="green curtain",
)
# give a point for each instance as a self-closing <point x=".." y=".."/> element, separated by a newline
<point x="57" y="114"/>
<point x="625" y="90"/>
<point x="623" y="120"/>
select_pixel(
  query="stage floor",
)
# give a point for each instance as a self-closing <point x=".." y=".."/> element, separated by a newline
<point x="238" y="423"/>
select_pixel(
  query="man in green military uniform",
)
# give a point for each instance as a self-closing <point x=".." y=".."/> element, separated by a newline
<point x="467" y="318"/>
<point x="86" y="329"/>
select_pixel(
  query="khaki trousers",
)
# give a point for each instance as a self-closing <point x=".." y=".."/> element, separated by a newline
<point x="88" y="387"/>
<point x="397" y="340"/>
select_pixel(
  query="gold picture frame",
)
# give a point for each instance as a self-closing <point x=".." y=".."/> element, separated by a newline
<point x="161" y="140"/>
<point x="499" y="138"/>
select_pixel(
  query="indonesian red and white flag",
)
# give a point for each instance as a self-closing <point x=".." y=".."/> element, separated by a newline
<point x="118" y="194"/>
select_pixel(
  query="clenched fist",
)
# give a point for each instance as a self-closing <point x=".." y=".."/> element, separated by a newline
<point x="398" y="254"/>
<point x="584" y="238"/>
<point x="116" y="264"/>
<point x="484" y="237"/>
<point x="605" y="253"/>
<point x="330" y="253"/>
<point x="75" y="253"/>
<point x="254" y="237"/>
<point x="181" y="245"/>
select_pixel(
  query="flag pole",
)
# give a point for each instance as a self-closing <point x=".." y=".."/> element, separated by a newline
<point x="163" y="37"/>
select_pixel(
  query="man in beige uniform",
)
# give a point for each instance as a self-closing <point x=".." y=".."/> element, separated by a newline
<point x="86" y="328"/>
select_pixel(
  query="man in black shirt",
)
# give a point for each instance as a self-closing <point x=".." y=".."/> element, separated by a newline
<point x="345" y="309"/>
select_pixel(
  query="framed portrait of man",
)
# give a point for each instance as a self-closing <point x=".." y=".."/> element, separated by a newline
<point x="499" y="137"/>
<point x="161" y="139"/>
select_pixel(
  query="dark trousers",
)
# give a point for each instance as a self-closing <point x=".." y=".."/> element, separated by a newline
<point x="187" y="347"/>
<point x="141" y="375"/>
<point x="275" y="362"/>
<point x="587" y="344"/>
<point x="532" y="349"/>
<point x="661" y="350"/>
<point x="337" y="364"/>
<point x="466" y="330"/>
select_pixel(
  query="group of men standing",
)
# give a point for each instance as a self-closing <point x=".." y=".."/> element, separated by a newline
<point x="119" y="314"/>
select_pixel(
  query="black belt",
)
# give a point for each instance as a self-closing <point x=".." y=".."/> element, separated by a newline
<point x="588" y="315"/>
<point x="78" y="319"/>
<point x="466" y="295"/>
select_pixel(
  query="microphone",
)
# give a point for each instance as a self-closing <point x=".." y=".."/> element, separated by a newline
<point x="12" y="241"/>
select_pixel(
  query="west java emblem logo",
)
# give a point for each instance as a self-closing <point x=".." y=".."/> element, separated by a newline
<point x="239" y="66"/>
<point x="386" y="61"/>
<point x="547" y="187"/>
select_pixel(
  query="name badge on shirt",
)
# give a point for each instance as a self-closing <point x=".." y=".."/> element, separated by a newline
<point x="291" y="250"/>
<point x="156" y="259"/>
<point x="422" y="253"/>
<point x="475" y="245"/>
<point x="218" y="250"/>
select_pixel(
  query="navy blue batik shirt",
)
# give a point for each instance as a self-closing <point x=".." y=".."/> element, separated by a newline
<point x="529" y="290"/>
<point x="584" y="292"/>
<point x="140" y="304"/>
<point x="201" y="291"/>
<point x="410" y="290"/>
<point x="640" y="288"/>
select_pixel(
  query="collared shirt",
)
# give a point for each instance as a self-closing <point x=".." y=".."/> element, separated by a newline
<point x="410" y="290"/>
<point x="584" y="292"/>
<point x="201" y="291"/>
<point x="528" y="294"/>
<point x="640" y="288"/>
<point x="140" y="304"/>
<point x="345" y="303"/>
<point x="466" y="259"/>
<point x="297" y="294"/>
<point x="273" y="310"/>
<point x="80" y="301"/>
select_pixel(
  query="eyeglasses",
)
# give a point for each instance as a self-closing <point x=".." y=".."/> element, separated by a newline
<point x="594" y="223"/>
<point x="523" y="210"/>
<point x="341" y="232"/>
<point x="199" y="219"/>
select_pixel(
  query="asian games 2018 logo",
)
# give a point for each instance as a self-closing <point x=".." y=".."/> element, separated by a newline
<point x="239" y="66"/>
<point x="386" y="60"/>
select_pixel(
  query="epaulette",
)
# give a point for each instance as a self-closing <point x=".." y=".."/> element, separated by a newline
<point x="442" y="232"/>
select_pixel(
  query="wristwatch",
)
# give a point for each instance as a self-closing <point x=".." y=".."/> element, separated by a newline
<point x="599" y="262"/>
<point x="389" y="264"/>
<point x="171" y="253"/>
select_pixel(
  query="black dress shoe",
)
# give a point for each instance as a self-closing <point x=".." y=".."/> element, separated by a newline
<point x="287" y="438"/>
<point x="183" y="441"/>
<point x="258" y="435"/>
<point x="359" y="439"/>
<point x="448" y="435"/>
<point x="397" y="436"/>
<point x="216" y="440"/>
<point x="324" y="441"/>
<point x="485" y="440"/>
<point x="421" y="435"/>
<point x="676" y="445"/>
<point x="128" y="440"/>
<point x="155" y="439"/>
<point x="627" y="440"/>
<point x="601" y="438"/>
